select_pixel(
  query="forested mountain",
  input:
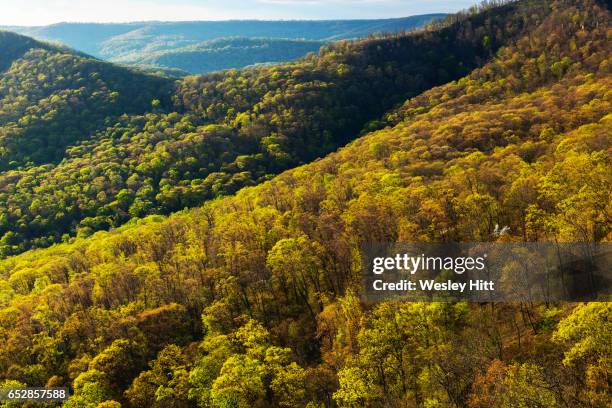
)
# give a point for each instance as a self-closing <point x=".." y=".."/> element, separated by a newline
<point x="226" y="53"/>
<point x="51" y="98"/>
<point x="204" y="46"/>
<point x="252" y="300"/>
<point x="72" y="166"/>
<point x="14" y="46"/>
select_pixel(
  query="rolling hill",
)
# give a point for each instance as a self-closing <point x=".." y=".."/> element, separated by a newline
<point x="131" y="43"/>
<point x="225" y="53"/>
<point x="90" y="145"/>
<point x="51" y="98"/>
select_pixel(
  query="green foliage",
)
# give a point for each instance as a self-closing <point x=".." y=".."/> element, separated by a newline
<point x="87" y="146"/>
<point x="525" y="387"/>
<point x="252" y="299"/>
<point x="354" y="388"/>
<point x="239" y="383"/>
<point x="165" y="385"/>
<point x="51" y="99"/>
<point x="7" y="385"/>
<point x="587" y="330"/>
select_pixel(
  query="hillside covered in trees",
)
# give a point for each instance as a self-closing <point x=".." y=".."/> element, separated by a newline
<point x="52" y="98"/>
<point x="227" y="53"/>
<point x="174" y="44"/>
<point x="100" y="145"/>
<point x="252" y="300"/>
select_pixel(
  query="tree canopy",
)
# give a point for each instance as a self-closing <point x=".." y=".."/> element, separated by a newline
<point x="252" y="300"/>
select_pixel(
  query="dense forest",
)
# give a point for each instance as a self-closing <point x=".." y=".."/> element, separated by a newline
<point x="51" y="98"/>
<point x="173" y="42"/>
<point x="227" y="53"/>
<point x="252" y="299"/>
<point x="100" y="145"/>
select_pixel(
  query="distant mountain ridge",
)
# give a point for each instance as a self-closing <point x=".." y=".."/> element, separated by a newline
<point x="131" y="43"/>
<point x="226" y="53"/>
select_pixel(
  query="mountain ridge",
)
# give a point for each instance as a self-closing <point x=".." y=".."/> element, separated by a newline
<point x="128" y="42"/>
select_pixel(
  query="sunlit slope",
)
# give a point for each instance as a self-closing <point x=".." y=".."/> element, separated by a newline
<point x="76" y="165"/>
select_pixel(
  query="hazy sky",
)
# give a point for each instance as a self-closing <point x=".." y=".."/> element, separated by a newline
<point x="42" y="12"/>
